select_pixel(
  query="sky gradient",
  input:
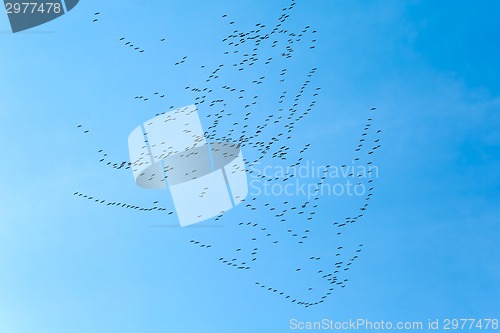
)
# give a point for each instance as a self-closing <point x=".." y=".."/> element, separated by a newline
<point x="430" y="236"/>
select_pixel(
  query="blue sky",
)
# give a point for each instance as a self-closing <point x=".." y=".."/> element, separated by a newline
<point x="429" y="236"/>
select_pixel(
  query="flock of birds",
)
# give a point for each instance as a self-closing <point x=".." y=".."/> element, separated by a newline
<point x="267" y="138"/>
<point x="130" y="45"/>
